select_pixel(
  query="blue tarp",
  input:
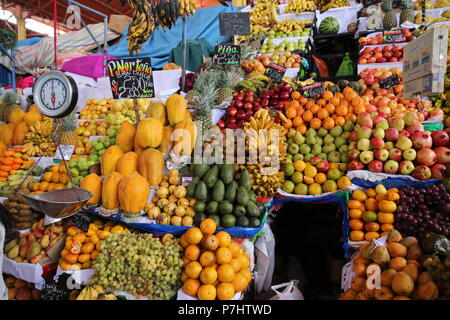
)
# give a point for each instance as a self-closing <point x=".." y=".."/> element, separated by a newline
<point x="28" y="42"/>
<point x="203" y="24"/>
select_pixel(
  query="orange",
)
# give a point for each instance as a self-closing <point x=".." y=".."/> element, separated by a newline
<point x="183" y="276"/>
<point x="330" y="108"/>
<point x="211" y="242"/>
<point x="247" y="274"/>
<point x="225" y="273"/>
<point x="223" y="255"/>
<point x="308" y="180"/>
<point x="191" y="286"/>
<point x="236" y="264"/>
<point x="372" y="227"/>
<point x="372" y="235"/>
<point x="207" y="292"/>
<point x="291" y="113"/>
<point x="87" y="247"/>
<point x="355" y="213"/>
<point x="207" y="259"/>
<point x="356" y="101"/>
<point x="94" y="254"/>
<point x="193" y="269"/>
<point x="183" y="241"/>
<point x="350" y="117"/>
<point x="355" y="204"/>
<point x="314" y="108"/>
<point x="359" y="195"/>
<point x="321" y="102"/>
<point x="335" y="100"/>
<point x="384" y="217"/>
<point x="71" y="231"/>
<point x="225" y="291"/>
<point x="192" y="252"/>
<point x="82" y="258"/>
<point x="224" y="238"/>
<point x="244" y="260"/>
<point x="194" y="235"/>
<point x="239" y="282"/>
<point x="327" y="95"/>
<point x="71" y="258"/>
<point x="356" y="235"/>
<point x="387" y="206"/>
<point x="341" y="110"/>
<point x="307" y="116"/>
<point x="371" y="204"/>
<point x="235" y="249"/>
<point x="320" y="178"/>
<point x="208" y="275"/>
<point x="295" y="95"/>
<point x="315" y="123"/>
<point x="80" y="237"/>
<point x="303" y="101"/>
<point x="356" y="224"/>
<point x="385" y="227"/>
<point x="302" y="129"/>
<point x="339" y="121"/>
<point x="299" y="165"/>
<point x="287" y="124"/>
<point x="322" y="114"/>
<point x="328" y="123"/>
<point x="297" y="121"/>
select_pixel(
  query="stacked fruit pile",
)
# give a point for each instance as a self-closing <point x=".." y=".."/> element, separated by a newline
<point x="314" y="177"/>
<point x="20" y="210"/>
<point x="226" y="191"/>
<point x="32" y="246"/>
<point x="285" y="46"/>
<point x="378" y="38"/>
<point x="170" y="204"/>
<point x="21" y="290"/>
<point x="139" y="264"/>
<point x="82" y="248"/>
<point x="398" y="263"/>
<point x="424" y="210"/>
<point x="381" y="54"/>
<point x="282" y="57"/>
<point x="215" y="267"/>
<point x="39" y="141"/>
<point x="300" y="32"/>
<point x="371" y="212"/>
<point x="299" y="6"/>
<point x="56" y="178"/>
<point x="96" y="109"/>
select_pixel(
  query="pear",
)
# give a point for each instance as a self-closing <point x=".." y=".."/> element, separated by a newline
<point x="381" y="256"/>
<point x="311" y="139"/>
<point x="299" y="138"/>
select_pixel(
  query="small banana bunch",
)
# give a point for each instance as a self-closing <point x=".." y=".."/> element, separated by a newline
<point x="39" y="141"/>
<point x="42" y="128"/>
<point x="324" y="5"/>
<point x="142" y="25"/>
<point x="95" y="292"/>
<point x="299" y="6"/>
<point x="290" y="25"/>
<point x="264" y="13"/>
<point x="187" y="7"/>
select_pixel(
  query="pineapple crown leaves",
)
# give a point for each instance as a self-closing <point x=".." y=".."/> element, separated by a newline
<point x="387" y="5"/>
<point x="206" y="98"/>
<point x="68" y="122"/>
<point x="406" y="4"/>
<point x="11" y="98"/>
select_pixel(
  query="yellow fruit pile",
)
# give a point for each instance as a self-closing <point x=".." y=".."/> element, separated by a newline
<point x="214" y="266"/>
<point x="372" y="211"/>
<point x="55" y="179"/>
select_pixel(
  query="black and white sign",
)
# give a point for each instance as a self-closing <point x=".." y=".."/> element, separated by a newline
<point x="389" y="82"/>
<point x="52" y="290"/>
<point x="66" y="150"/>
<point x="81" y="220"/>
<point x="227" y="54"/>
<point x="234" y="23"/>
<point x="131" y="78"/>
<point x="393" y="36"/>
<point x="275" y="72"/>
<point x="312" y="90"/>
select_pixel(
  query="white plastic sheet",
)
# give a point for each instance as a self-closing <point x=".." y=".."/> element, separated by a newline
<point x="26" y="271"/>
<point x="265" y="262"/>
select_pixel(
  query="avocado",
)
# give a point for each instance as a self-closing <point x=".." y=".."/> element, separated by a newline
<point x="242" y="196"/>
<point x="245" y="180"/>
<point x="252" y="196"/>
<point x="212" y="207"/>
<point x="211" y="176"/>
<point x="201" y="191"/>
<point x="254" y="222"/>
<point x="226" y="173"/>
<point x="216" y="218"/>
<point x="252" y="210"/>
<point x="231" y="190"/>
<point x="199" y="207"/>
<point x="239" y="211"/>
<point x="190" y="190"/>
<point x="225" y="207"/>
<point x="228" y="221"/>
<point x="218" y="193"/>
<point x="242" y="222"/>
<point x="200" y="169"/>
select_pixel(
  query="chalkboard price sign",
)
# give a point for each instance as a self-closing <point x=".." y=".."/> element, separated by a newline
<point x="393" y="36"/>
<point x="131" y="78"/>
<point x="312" y="90"/>
<point x="389" y="82"/>
<point x="234" y="23"/>
<point x="81" y="220"/>
<point x="227" y="54"/>
<point x="275" y="72"/>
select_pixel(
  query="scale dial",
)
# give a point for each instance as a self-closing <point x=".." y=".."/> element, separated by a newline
<point x="55" y="94"/>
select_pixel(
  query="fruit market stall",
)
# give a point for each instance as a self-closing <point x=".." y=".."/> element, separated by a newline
<point x="295" y="152"/>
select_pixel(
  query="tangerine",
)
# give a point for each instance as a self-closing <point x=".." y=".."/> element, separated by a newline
<point x="225" y="291"/>
<point x="207" y="259"/>
<point x="208" y="275"/>
<point x="225" y="272"/>
<point x="193" y="269"/>
<point x="223" y="255"/>
<point x="239" y="282"/>
<point x="191" y="286"/>
<point x="224" y="238"/>
<point x="211" y="242"/>
<point x="194" y="235"/>
<point x="192" y="252"/>
<point x="206" y="292"/>
<point x="234" y="248"/>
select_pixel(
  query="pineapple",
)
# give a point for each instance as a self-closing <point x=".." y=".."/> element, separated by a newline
<point x="389" y="19"/>
<point x="407" y="13"/>
<point x="202" y="111"/>
<point x="225" y="83"/>
<point x="66" y="131"/>
<point x="195" y="92"/>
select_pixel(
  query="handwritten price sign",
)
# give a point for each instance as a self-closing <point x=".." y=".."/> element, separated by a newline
<point x="227" y="54"/>
<point x="131" y="78"/>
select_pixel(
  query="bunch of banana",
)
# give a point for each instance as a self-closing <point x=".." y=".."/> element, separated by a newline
<point x="299" y="6"/>
<point x="264" y="13"/>
<point x="266" y="176"/>
<point x="95" y="292"/>
<point x="418" y="5"/>
<point x="187" y="7"/>
<point x="46" y="149"/>
<point x="141" y="27"/>
<point x="324" y="5"/>
<point x="290" y="25"/>
<point x="254" y="82"/>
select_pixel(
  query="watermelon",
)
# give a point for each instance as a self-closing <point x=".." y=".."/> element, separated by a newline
<point x="329" y="25"/>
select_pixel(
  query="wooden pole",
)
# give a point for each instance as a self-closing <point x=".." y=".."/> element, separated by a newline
<point x="21" y="29"/>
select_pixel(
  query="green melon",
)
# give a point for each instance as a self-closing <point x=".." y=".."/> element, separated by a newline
<point x="329" y="25"/>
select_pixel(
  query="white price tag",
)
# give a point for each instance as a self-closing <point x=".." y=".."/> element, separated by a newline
<point x="66" y="150"/>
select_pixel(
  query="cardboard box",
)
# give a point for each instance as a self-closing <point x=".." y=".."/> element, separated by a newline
<point x="426" y="55"/>
<point x="429" y="85"/>
<point x="118" y="23"/>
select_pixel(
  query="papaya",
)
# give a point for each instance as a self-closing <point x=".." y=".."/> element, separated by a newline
<point x="7" y="133"/>
<point x="151" y="166"/>
<point x="109" y="191"/>
<point x="20" y="131"/>
<point x="157" y="110"/>
<point x="93" y="184"/>
<point x="183" y="137"/>
<point x="109" y="159"/>
<point x="176" y="109"/>
<point x="133" y="193"/>
<point x="16" y="115"/>
<point x="166" y="142"/>
<point x="127" y="163"/>
<point x="149" y="133"/>
<point x="125" y="136"/>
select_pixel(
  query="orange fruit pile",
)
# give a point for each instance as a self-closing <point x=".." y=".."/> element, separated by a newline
<point x="328" y="111"/>
<point x="215" y="267"/>
<point x="371" y="212"/>
<point x="82" y="248"/>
